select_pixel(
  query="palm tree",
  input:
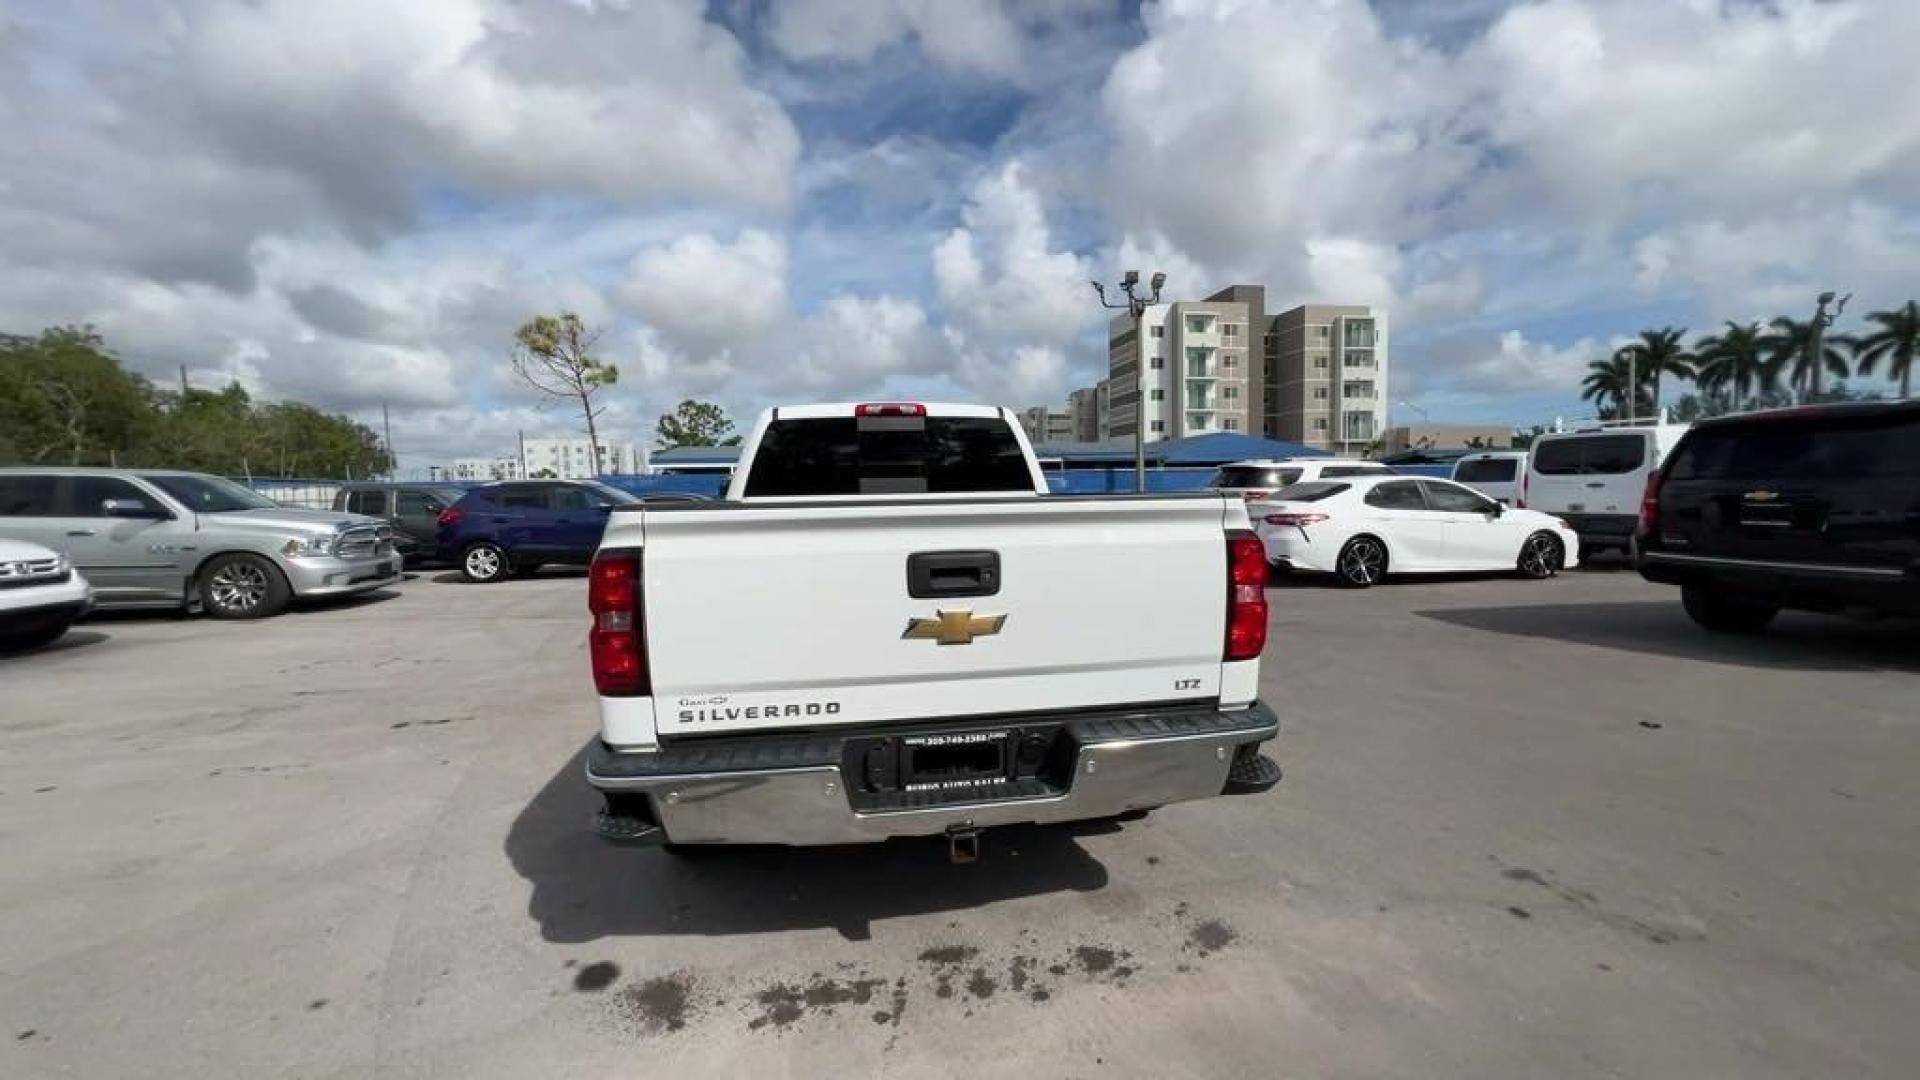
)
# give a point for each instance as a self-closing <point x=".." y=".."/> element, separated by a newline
<point x="1657" y="353"/>
<point x="1735" y="361"/>
<point x="1897" y="340"/>
<point x="1606" y="382"/>
<point x="1787" y="350"/>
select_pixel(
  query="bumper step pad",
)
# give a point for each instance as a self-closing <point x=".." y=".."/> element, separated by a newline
<point x="1252" y="773"/>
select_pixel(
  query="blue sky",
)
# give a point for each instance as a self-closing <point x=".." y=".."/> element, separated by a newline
<point x="355" y="203"/>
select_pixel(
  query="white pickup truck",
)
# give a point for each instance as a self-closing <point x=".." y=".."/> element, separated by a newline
<point x="886" y="630"/>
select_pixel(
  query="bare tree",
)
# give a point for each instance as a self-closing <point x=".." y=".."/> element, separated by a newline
<point x="554" y="355"/>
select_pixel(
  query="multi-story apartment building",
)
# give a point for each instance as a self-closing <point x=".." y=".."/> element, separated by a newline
<point x="1327" y="386"/>
<point x="1083" y="414"/>
<point x="1315" y="374"/>
<point x="1200" y="366"/>
<point x="572" y="459"/>
<point x="1044" y="425"/>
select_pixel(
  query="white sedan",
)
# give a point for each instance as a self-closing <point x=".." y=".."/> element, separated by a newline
<point x="1363" y="528"/>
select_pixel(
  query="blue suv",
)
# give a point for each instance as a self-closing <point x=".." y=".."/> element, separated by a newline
<point x="497" y="530"/>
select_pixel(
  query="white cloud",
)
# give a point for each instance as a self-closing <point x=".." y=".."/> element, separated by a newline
<point x="707" y="293"/>
<point x="1486" y="365"/>
<point x="357" y="94"/>
<point x="978" y="36"/>
<point x="1287" y="142"/>
<point x="1766" y="266"/>
<point x="999" y="275"/>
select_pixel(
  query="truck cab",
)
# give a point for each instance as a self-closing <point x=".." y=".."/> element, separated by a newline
<point x="887" y="628"/>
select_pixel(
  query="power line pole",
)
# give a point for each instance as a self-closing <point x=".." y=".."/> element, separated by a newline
<point x="393" y="459"/>
<point x="522" y="435"/>
<point x="1136" y="306"/>
<point x="183" y="379"/>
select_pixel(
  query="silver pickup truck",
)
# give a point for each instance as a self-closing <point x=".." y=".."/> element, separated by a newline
<point x="156" y="539"/>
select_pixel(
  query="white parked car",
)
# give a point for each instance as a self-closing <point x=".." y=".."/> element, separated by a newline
<point x="1596" y="479"/>
<point x="1259" y="479"/>
<point x="1493" y="473"/>
<point x="1364" y="528"/>
<point x="41" y="594"/>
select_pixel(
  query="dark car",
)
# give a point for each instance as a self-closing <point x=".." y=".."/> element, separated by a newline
<point x="496" y="530"/>
<point x="412" y="509"/>
<point x="1812" y="509"/>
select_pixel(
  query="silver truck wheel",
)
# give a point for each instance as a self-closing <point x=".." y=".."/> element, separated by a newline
<point x="240" y="586"/>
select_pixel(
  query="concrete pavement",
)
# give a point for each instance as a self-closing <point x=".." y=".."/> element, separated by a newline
<point x="1528" y="829"/>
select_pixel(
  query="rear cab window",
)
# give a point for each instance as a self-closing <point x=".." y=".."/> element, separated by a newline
<point x="887" y="455"/>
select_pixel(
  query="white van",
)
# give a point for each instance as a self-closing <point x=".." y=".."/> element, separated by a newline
<point x="1595" y="479"/>
<point x="1493" y="473"/>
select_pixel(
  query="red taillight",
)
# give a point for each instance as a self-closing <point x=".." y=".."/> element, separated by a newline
<point x="448" y="516"/>
<point x="1650" y="503"/>
<point x="617" y="641"/>
<point x="890" y="408"/>
<point x="1293" y="521"/>
<point x="1254" y="496"/>
<point x="1246" y="596"/>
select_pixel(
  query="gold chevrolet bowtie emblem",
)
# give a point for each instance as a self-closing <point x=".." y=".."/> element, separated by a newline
<point x="1762" y="496"/>
<point x="955" y="627"/>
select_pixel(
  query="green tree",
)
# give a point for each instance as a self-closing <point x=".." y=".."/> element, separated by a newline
<point x="695" y="423"/>
<point x="1735" y="362"/>
<point x="1789" y="348"/>
<point x="1657" y="353"/>
<point x="1897" y="341"/>
<point x="554" y="355"/>
<point x="1606" y="385"/>
<point x="64" y="398"/>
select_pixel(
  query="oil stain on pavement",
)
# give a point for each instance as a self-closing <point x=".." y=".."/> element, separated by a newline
<point x="958" y="976"/>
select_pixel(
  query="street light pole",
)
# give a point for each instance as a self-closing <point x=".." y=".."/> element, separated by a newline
<point x="1136" y="306"/>
<point x="1817" y="339"/>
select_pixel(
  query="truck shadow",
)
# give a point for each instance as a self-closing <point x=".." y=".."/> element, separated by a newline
<point x="1797" y="641"/>
<point x="585" y="889"/>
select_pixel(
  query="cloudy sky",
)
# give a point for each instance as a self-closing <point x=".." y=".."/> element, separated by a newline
<point x="355" y="202"/>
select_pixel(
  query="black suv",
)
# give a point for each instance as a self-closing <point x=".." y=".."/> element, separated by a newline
<point x="1814" y="509"/>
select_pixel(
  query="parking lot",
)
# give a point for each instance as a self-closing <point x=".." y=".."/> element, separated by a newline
<point x="1528" y="829"/>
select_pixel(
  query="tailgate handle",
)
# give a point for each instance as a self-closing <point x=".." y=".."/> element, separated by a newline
<point x="940" y="574"/>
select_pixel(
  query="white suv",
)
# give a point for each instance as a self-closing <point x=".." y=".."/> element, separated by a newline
<point x="1255" y="480"/>
<point x="41" y="594"/>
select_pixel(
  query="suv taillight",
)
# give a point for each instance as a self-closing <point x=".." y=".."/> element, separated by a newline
<point x="448" y="516"/>
<point x="617" y="641"/>
<point x="1650" y="503"/>
<point x="1246" y="596"/>
<point x="1520" y="496"/>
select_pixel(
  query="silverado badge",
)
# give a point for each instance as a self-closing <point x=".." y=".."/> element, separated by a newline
<point x="955" y="627"/>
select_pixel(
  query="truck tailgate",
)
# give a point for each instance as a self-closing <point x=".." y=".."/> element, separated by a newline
<point x="783" y="616"/>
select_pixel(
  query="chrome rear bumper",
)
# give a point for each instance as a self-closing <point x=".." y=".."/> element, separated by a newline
<point x="1119" y="764"/>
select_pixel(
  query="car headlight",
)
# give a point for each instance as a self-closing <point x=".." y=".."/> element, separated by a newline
<point x="309" y="545"/>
